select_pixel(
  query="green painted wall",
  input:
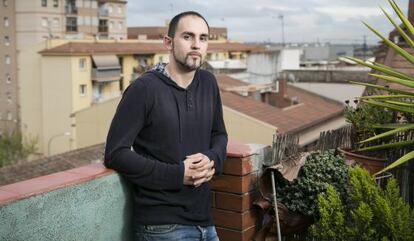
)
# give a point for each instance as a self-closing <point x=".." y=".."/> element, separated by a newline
<point x="98" y="210"/>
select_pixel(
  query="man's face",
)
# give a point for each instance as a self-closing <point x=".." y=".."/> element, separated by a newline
<point x="189" y="45"/>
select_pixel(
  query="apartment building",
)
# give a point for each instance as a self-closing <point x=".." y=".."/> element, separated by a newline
<point x="9" y="105"/>
<point x="25" y="24"/>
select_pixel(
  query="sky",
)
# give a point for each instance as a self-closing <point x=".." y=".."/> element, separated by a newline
<point x="335" y="21"/>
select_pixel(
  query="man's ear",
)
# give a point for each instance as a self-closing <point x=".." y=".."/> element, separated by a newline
<point x="167" y="42"/>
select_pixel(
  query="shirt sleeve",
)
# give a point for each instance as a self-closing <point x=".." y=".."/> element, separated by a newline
<point x="128" y="120"/>
<point x="218" y="143"/>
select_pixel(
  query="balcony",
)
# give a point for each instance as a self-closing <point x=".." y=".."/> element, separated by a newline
<point x="103" y="28"/>
<point x="93" y="202"/>
<point x="71" y="10"/>
<point x="102" y="12"/>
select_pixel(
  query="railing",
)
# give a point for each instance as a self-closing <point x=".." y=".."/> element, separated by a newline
<point x="71" y="9"/>
<point x="102" y="28"/>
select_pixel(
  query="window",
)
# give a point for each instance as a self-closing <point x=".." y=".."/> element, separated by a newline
<point x="82" y="90"/>
<point x="82" y="63"/>
<point x="55" y="22"/>
<point x="9" y="116"/>
<point x="44" y="22"/>
<point x="5" y="3"/>
<point x="71" y="24"/>
<point x="8" y="78"/>
<point x="7" y="59"/>
<point x="44" y="3"/>
<point x="6" y="40"/>
<point x="119" y="10"/>
<point x="55" y="3"/>
<point x="160" y="59"/>
<point x="110" y="9"/>
<point x="6" y="22"/>
<point x="120" y="25"/>
<point x="9" y="98"/>
<point x="111" y="25"/>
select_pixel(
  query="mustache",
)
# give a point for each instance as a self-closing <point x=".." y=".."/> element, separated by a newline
<point x="194" y="53"/>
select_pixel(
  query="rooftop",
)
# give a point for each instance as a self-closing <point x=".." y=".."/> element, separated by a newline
<point x="82" y="48"/>
<point x="311" y="110"/>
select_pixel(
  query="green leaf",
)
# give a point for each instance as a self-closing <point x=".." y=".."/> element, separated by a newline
<point x="385" y="96"/>
<point x="393" y="71"/>
<point x="387" y="146"/>
<point x="380" y="87"/>
<point x="402" y="17"/>
<point x="391" y="125"/>
<point x="401" y="51"/>
<point x="409" y="104"/>
<point x="381" y="68"/>
<point x="398" y="162"/>
<point x="389" y="133"/>
<point x="400" y="81"/>
<point x="399" y="29"/>
<point x="390" y="106"/>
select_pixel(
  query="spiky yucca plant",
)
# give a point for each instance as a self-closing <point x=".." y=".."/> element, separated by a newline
<point x="392" y="98"/>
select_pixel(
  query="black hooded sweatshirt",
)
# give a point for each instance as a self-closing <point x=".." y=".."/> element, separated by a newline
<point x="164" y="123"/>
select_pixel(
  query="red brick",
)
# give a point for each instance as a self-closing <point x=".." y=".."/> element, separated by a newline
<point x="238" y="150"/>
<point x="226" y="234"/>
<point x="235" y="202"/>
<point x="234" y="184"/>
<point x="234" y="220"/>
<point x="237" y="166"/>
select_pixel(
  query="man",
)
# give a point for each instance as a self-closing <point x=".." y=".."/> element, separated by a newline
<point x="172" y="117"/>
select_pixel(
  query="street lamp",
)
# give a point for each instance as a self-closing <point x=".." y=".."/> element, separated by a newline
<point x="53" y="137"/>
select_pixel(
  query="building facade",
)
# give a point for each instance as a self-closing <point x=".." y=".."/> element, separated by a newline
<point x="26" y="24"/>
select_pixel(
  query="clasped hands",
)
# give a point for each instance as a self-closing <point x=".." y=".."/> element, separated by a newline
<point x="198" y="168"/>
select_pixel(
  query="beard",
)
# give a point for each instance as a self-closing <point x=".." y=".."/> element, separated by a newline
<point x="187" y="63"/>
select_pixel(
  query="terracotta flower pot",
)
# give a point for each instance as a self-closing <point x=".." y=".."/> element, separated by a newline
<point x="372" y="164"/>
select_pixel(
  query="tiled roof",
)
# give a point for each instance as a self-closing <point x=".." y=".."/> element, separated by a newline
<point x="40" y="167"/>
<point x="311" y="110"/>
<point x="77" y="48"/>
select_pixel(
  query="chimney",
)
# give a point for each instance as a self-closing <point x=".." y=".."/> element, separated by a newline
<point x="411" y="11"/>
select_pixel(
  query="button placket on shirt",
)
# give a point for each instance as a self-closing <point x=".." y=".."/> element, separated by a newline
<point x="190" y="104"/>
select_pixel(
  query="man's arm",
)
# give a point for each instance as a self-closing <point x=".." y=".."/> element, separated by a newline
<point x="218" y="142"/>
<point x="129" y="119"/>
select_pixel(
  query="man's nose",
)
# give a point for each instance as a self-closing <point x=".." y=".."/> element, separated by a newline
<point x="195" y="44"/>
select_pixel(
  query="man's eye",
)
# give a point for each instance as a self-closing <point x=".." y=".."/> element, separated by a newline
<point x="186" y="37"/>
<point x="203" y="38"/>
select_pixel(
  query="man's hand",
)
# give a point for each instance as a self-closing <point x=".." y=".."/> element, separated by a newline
<point x="198" y="169"/>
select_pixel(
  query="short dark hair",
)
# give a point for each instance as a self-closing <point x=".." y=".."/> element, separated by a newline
<point x="172" y="27"/>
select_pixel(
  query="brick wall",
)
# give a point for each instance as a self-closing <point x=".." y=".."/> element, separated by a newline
<point x="235" y="190"/>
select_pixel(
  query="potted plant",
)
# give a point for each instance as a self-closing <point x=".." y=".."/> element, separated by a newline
<point x="399" y="97"/>
<point x="363" y="119"/>
<point x="297" y="198"/>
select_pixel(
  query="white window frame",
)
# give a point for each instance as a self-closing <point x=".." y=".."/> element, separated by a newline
<point x="7" y="40"/>
<point x="82" y="64"/>
<point x="44" y="22"/>
<point x="6" y="21"/>
<point x="7" y="59"/>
